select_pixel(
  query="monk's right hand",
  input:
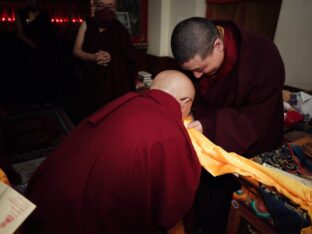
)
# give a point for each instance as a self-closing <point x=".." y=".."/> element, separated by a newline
<point x="197" y="125"/>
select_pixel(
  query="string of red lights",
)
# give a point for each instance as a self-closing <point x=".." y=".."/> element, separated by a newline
<point x="60" y="12"/>
<point x="8" y="19"/>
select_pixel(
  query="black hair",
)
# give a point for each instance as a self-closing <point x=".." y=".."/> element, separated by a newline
<point x="193" y="36"/>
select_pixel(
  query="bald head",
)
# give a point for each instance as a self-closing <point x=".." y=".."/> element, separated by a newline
<point x="174" y="83"/>
<point x="178" y="85"/>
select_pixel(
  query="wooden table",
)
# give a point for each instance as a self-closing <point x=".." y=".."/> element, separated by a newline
<point x="240" y="211"/>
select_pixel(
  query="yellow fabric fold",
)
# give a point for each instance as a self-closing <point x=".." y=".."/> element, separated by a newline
<point x="217" y="162"/>
<point x="4" y="178"/>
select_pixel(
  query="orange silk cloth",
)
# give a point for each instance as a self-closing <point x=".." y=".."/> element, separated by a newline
<point x="217" y="162"/>
<point x="3" y="178"/>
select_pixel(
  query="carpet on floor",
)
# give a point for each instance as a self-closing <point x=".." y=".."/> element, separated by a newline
<point x="28" y="138"/>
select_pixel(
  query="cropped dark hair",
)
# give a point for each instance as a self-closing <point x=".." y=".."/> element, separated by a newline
<point x="193" y="36"/>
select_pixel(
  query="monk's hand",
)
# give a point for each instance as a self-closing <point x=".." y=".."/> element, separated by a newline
<point x="286" y="95"/>
<point x="102" y="58"/>
<point x="197" y="125"/>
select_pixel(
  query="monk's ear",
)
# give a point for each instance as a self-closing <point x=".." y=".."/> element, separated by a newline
<point x="186" y="107"/>
<point x="183" y="105"/>
<point x="183" y="109"/>
<point x="218" y="45"/>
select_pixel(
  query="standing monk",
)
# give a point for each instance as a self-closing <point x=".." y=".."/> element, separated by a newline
<point x="108" y="70"/>
<point x="239" y="79"/>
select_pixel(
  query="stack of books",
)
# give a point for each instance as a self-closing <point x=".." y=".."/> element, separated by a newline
<point x="145" y="77"/>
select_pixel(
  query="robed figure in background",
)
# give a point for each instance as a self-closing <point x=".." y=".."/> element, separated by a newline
<point x="104" y="44"/>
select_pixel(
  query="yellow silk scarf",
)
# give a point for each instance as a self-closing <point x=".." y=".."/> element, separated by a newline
<point x="217" y="162"/>
<point x="4" y="178"/>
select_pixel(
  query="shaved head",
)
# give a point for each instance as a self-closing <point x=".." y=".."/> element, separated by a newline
<point x="178" y="85"/>
<point x="191" y="37"/>
<point x="175" y="83"/>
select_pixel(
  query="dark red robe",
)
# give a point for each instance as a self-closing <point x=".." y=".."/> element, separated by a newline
<point x="37" y="67"/>
<point x="243" y="111"/>
<point x="102" y="84"/>
<point x="128" y="168"/>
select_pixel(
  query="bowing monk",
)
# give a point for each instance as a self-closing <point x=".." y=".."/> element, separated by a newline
<point x="128" y="168"/>
<point x="239" y="79"/>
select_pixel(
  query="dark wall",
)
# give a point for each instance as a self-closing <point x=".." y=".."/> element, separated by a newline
<point x="155" y="64"/>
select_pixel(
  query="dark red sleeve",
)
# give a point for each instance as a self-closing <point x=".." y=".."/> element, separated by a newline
<point x="175" y="172"/>
<point x="254" y="123"/>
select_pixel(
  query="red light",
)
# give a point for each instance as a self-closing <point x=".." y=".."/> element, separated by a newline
<point x="62" y="20"/>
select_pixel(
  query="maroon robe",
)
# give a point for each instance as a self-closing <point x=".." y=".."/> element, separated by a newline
<point x="40" y="30"/>
<point x="37" y="67"/>
<point x="128" y="168"/>
<point x="102" y="84"/>
<point x="243" y="111"/>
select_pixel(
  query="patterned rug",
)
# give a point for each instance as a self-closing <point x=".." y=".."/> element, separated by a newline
<point x="27" y="139"/>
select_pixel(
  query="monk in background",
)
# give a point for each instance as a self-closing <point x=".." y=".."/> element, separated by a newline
<point x="107" y="57"/>
<point x="128" y="168"/>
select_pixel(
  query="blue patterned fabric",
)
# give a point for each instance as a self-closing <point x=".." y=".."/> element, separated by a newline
<point x="288" y="217"/>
